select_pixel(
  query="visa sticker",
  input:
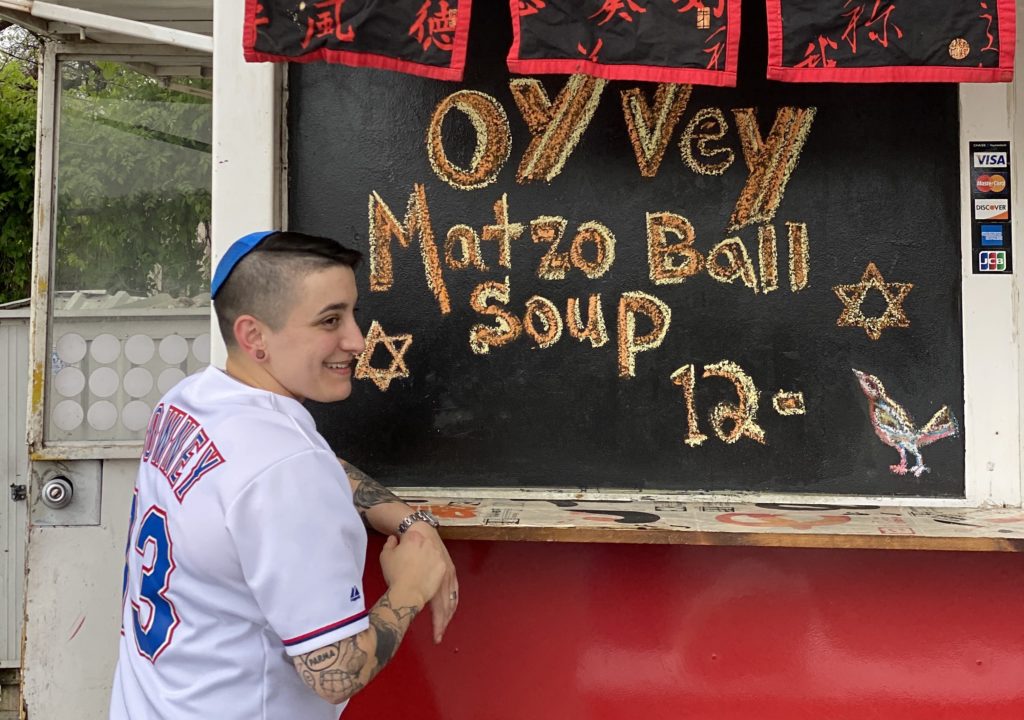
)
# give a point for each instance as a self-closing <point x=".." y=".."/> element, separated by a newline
<point x="990" y="159"/>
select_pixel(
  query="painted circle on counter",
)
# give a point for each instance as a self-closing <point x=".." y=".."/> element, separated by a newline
<point x="67" y="415"/>
<point x="69" y="382"/>
<point x="201" y="348"/>
<point x="103" y="382"/>
<point x="139" y="349"/>
<point x="135" y="415"/>
<point x="71" y="347"/>
<point x="168" y="379"/>
<point x="138" y="382"/>
<point x="105" y="348"/>
<point x="102" y="415"/>
<point x="173" y="349"/>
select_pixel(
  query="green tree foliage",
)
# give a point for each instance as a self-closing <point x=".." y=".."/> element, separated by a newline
<point x="17" y="164"/>
<point x="133" y="183"/>
<point x="133" y="176"/>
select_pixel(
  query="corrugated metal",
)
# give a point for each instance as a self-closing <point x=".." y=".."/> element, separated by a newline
<point x="14" y="465"/>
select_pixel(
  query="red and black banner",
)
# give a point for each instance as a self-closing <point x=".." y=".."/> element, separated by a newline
<point x="675" y="41"/>
<point x="878" y="41"/>
<point x="420" y="37"/>
<point x="678" y="41"/>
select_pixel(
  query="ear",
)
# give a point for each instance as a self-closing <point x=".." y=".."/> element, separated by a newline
<point x="250" y="336"/>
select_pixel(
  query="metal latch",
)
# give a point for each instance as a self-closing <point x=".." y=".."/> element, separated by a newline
<point x="65" y="493"/>
<point x="18" y="492"/>
<point x="57" y="493"/>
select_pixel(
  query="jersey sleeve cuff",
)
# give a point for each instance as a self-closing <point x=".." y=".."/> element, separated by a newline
<point x="326" y="635"/>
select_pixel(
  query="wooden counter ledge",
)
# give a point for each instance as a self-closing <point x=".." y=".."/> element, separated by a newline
<point x="756" y="524"/>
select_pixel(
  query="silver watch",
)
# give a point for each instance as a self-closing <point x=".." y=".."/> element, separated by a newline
<point x="418" y="516"/>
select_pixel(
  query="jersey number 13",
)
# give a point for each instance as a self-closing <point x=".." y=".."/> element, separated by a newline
<point x="154" y="617"/>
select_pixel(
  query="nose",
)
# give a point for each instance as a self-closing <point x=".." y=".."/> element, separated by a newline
<point x="352" y="340"/>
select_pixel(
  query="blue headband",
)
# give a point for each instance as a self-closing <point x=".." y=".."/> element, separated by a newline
<point x="238" y="250"/>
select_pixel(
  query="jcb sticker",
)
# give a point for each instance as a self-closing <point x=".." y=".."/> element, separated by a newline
<point x="992" y="261"/>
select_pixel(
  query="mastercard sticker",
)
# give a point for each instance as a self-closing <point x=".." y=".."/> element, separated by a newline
<point x="994" y="183"/>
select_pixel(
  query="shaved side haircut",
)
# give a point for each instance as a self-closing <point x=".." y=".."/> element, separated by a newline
<point x="263" y="283"/>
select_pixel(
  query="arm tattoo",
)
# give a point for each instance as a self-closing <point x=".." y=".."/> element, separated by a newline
<point x="341" y="670"/>
<point x="390" y="632"/>
<point x="369" y="492"/>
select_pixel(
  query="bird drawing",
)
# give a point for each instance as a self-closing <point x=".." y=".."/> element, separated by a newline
<point x="895" y="428"/>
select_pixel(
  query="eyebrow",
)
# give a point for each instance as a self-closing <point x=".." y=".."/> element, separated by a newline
<point x="332" y="307"/>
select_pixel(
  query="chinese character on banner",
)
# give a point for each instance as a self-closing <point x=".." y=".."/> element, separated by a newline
<point x="815" y="57"/>
<point x="882" y="38"/>
<point x="261" y="19"/>
<point x="530" y="7"/>
<point x="591" y="54"/>
<point x="611" y="8"/>
<point x="436" y="29"/>
<point x="877" y="25"/>
<point x="326" y="22"/>
<point x="715" y="49"/>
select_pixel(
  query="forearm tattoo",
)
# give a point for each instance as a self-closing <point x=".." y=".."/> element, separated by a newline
<point x="368" y="492"/>
<point x="337" y="672"/>
<point x="390" y="629"/>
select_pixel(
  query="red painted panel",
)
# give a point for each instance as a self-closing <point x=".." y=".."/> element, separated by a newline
<point x="653" y="632"/>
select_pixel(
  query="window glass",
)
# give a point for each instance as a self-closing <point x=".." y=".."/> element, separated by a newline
<point x="130" y="304"/>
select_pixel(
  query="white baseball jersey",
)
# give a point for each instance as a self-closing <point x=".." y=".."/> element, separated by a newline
<point x="244" y="549"/>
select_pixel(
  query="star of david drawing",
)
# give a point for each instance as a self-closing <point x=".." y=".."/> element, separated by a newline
<point x="853" y="297"/>
<point x="396" y="345"/>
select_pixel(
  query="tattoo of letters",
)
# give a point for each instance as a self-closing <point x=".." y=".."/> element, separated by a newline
<point x="344" y="668"/>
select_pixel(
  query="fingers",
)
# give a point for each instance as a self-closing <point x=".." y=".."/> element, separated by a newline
<point x="445" y="602"/>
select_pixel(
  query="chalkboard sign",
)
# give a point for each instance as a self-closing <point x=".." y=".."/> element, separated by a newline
<point x="574" y="283"/>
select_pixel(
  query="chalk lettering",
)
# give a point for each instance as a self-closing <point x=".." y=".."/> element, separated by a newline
<point x="630" y="344"/>
<point x="707" y="126"/>
<point x="541" y="310"/>
<point x="685" y="377"/>
<point x="737" y="263"/>
<point x="503" y="232"/>
<point x="507" y="326"/>
<point x="650" y="128"/>
<point x="799" y="256"/>
<point x="603" y="241"/>
<point x="768" y="254"/>
<point x="556" y="126"/>
<point x="743" y="415"/>
<point x="671" y="263"/>
<point x="548" y="229"/>
<point x="467" y="241"/>
<point x="770" y="161"/>
<point x="594" y="330"/>
<point x="493" y="140"/>
<point x="384" y="226"/>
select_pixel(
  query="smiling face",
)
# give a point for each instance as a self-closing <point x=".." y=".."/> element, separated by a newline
<point x="313" y="354"/>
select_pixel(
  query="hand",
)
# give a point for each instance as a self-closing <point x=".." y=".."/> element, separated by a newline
<point x="413" y="567"/>
<point x="444" y="602"/>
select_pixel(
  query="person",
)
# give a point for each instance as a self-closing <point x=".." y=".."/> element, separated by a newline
<point x="242" y="593"/>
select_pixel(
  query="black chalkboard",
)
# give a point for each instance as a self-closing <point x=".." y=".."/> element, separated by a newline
<point x="876" y="182"/>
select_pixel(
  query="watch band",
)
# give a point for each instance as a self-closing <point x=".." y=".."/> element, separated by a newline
<point x="418" y="516"/>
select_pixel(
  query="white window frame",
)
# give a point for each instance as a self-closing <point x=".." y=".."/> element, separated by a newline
<point x="43" y="240"/>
